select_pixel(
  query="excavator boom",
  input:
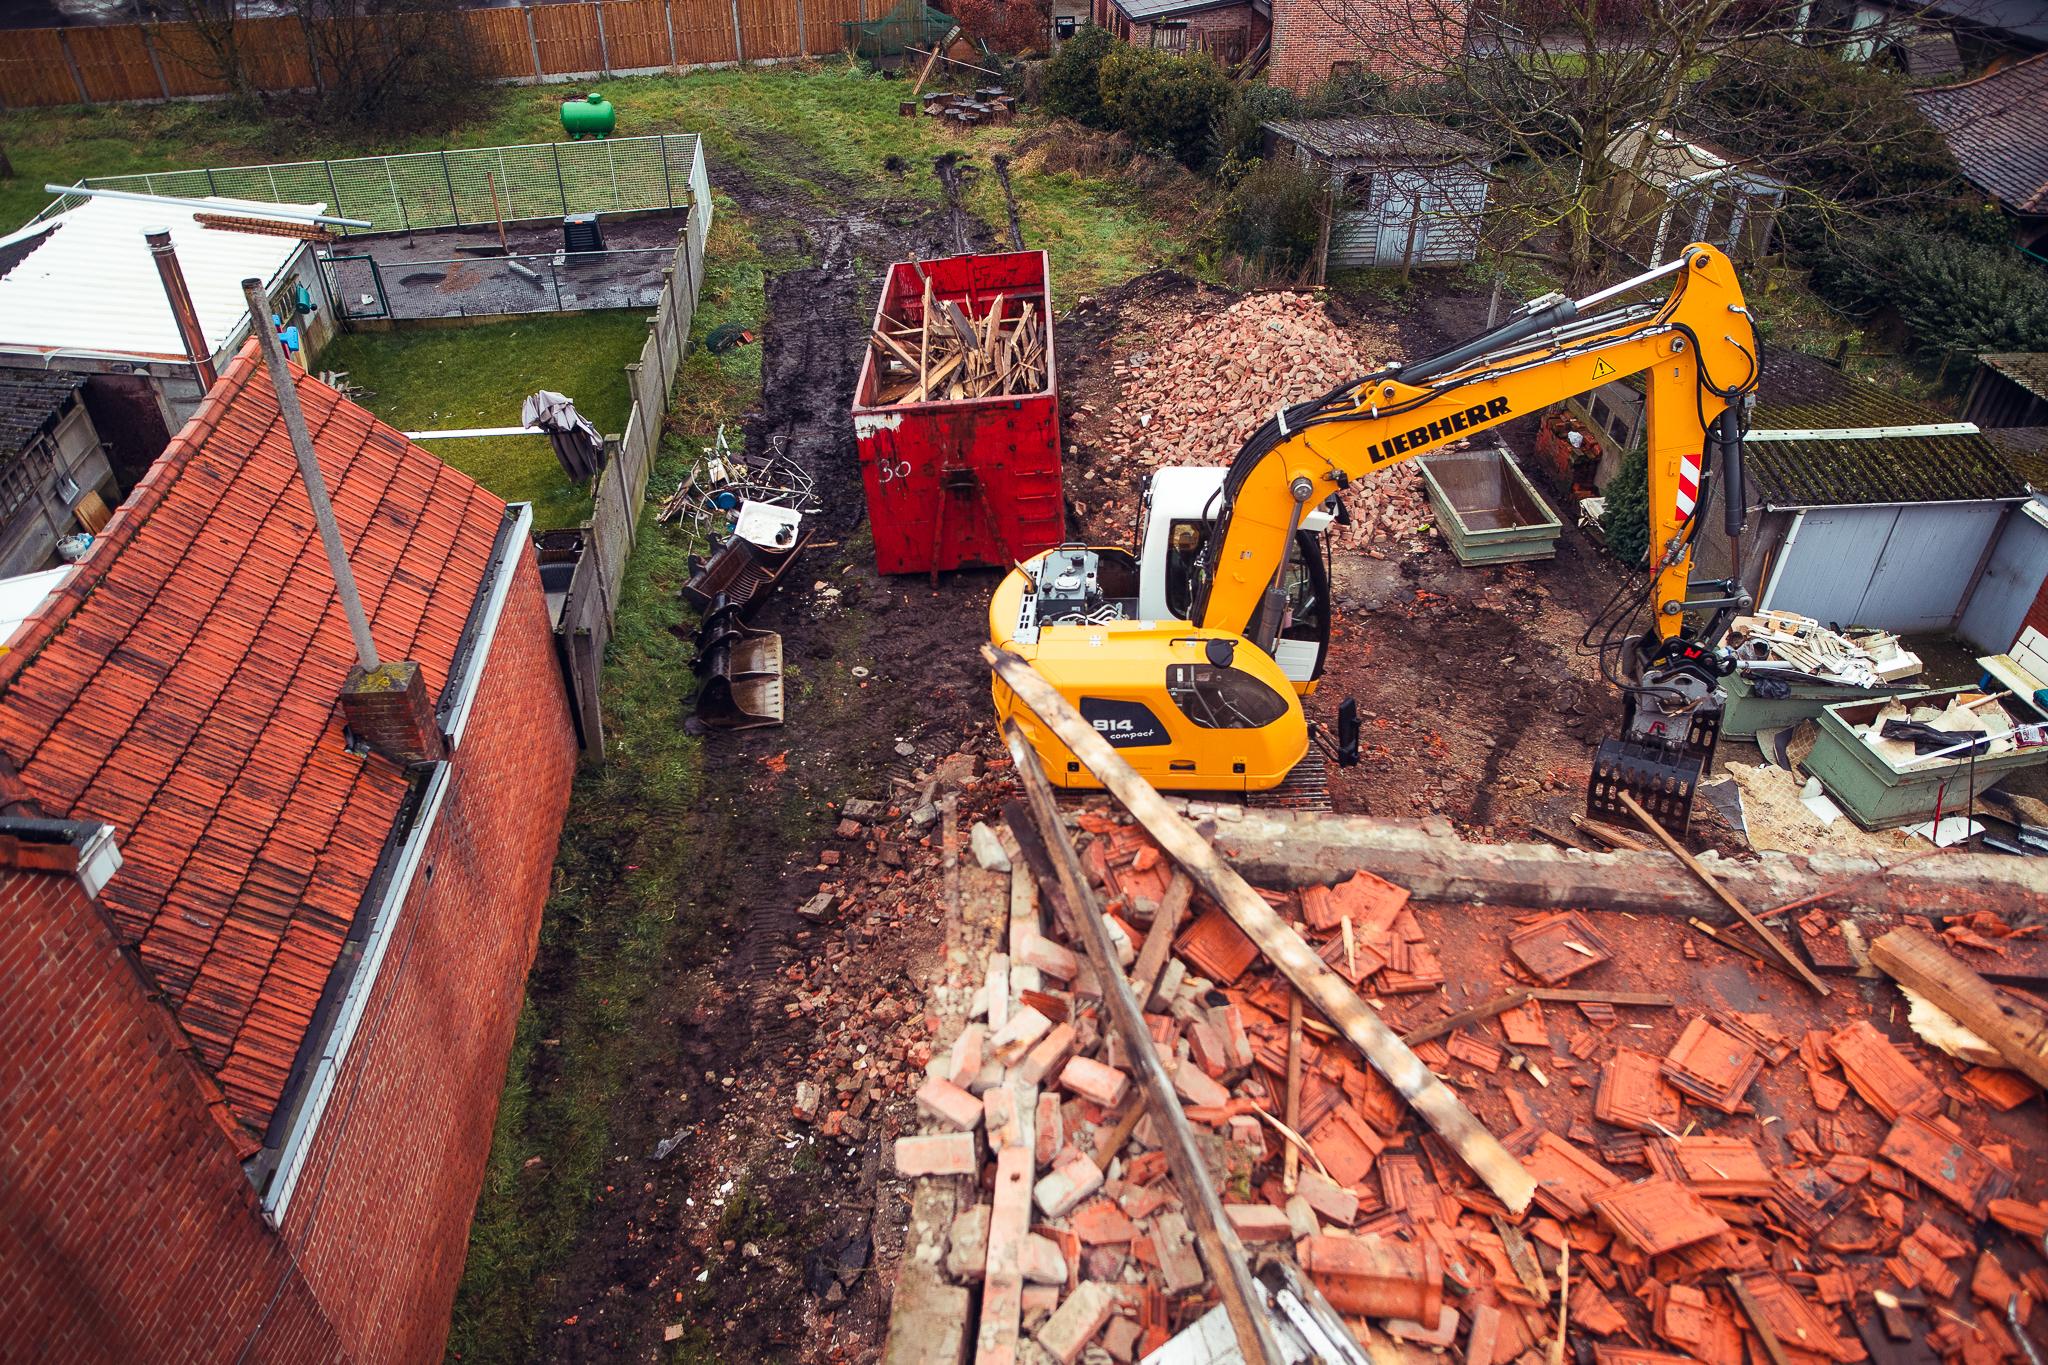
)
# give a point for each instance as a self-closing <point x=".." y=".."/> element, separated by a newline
<point x="1199" y="704"/>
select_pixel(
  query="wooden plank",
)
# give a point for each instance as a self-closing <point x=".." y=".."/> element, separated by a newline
<point x="1919" y="963"/>
<point x="1242" y="1300"/>
<point x="1694" y="866"/>
<point x="1450" y="1023"/>
<point x="1758" y="1322"/>
<point x="1568" y="996"/>
<point x="1280" y="944"/>
<point x="1291" y="1163"/>
<point x="1158" y="944"/>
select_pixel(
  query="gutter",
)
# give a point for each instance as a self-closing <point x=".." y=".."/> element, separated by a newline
<point x="320" y="1071"/>
<point x="1883" y="502"/>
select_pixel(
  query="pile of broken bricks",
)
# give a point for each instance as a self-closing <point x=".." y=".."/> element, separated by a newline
<point x="1682" y="1211"/>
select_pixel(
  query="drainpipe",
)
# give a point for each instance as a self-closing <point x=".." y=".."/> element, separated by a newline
<point x="182" y="311"/>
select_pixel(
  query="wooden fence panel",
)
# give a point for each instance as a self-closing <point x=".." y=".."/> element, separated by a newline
<point x="703" y="31"/>
<point x="824" y="23"/>
<point x="190" y="68"/>
<point x="33" y="70"/>
<point x="568" y="38"/>
<point x="768" y="29"/>
<point x="114" y="62"/>
<point x="636" y="33"/>
<point x="497" y="42"/>
<point x="274" y="54"/>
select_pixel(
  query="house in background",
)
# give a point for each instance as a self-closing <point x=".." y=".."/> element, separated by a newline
<point x="55" y="479"/>
<point x="1406" y="191"/>
<point x="249" y="1076"/>
<point x="1228" y="30"/>
<point x="1930" y="39"/>
<point x="80" y="294"/>
<point x="1676" y="191"/>
<point x="1313" y="40"/>
<point x="1996" y="127"/>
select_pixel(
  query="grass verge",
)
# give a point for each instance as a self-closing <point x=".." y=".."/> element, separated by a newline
<point x="619" y="910"/>
<point x="477" y="376"/>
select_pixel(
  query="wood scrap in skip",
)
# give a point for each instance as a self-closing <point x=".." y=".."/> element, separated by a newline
<point x="946" y="355"/>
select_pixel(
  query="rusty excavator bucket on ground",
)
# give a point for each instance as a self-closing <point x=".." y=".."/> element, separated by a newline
<point x="739" y="669"/>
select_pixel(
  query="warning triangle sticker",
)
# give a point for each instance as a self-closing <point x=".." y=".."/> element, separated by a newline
<point x="1601" y="369"/>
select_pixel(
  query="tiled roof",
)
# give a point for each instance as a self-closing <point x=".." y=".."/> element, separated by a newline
<point x="1799" y="393"/>
<point x="1145" y="11"/>
<point x="1997" y="128"/>
<point x="2026" y="450"/>
<point x="183" y="686"/>
<point x="30" y="400"/>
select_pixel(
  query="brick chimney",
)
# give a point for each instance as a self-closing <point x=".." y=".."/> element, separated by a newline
<point x="388" y="708"/>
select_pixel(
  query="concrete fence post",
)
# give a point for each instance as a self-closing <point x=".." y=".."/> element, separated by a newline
<point x="533" y="42"/>
<point x="668" y="19"/>
<point x="739" y="49"/>
<point x="604" y="47"/>
<point x="78" y="77"/>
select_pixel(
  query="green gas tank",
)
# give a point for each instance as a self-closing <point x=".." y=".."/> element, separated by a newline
<point x="591" y="116"/>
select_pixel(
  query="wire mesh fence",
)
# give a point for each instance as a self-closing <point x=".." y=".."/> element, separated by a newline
<point x="458" y="187"/>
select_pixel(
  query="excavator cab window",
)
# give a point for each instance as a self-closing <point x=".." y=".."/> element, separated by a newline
<point x="1308" y="591"/>
<point x="1223" y="698"/>
<point x="1184" y="541"/>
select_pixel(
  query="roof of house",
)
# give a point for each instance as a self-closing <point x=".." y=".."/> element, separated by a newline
<point x="1931" y="56"/>
<point x="1675" y="160"/>
<point x="2026" y="19"/>
<point x="2026" y="450"/>
<point x="92" y="287"/>
<point x="31" y="401"/>
<point x="183" y="685"/>
<point x="1381" y="137"/>
<point x="1996" y="126"/>
<point x="1800" y="393"/>
<point x="1146" y="11"/>
<point x="2028" y="369"/>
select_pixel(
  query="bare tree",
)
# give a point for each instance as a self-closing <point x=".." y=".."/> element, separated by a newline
<point x="217" y="24"/>
<point x="376" y="61"/>
<point x="1570" y="96"/>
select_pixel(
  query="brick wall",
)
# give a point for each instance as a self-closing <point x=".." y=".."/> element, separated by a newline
<point x="1390" y="38"/>
<point x="127" y="1229"/>
<point x="380" y="1217"/>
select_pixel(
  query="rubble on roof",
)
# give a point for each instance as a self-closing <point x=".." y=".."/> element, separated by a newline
<point x="1744" y="1172"/>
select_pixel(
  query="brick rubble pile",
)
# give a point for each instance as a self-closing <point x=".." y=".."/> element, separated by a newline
<point x="1714" y="1175"/>
<point x="1214" y="376"/>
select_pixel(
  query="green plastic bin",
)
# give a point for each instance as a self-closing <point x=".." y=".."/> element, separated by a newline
<point x="1748" y="713"/>
<point x="1878" y="796"/>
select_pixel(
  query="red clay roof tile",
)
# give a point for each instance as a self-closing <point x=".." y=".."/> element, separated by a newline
<point x="183" y="684"/>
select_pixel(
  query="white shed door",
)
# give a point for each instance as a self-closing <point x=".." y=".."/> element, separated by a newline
<point x="1400" y="196"/>
<point x="1893" y="568"/>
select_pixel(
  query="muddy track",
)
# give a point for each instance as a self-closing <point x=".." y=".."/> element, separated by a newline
<point x="727" y="1041"/>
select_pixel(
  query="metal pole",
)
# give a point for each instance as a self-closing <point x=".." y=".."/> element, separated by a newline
<point x="182" y="312"/>
<point x="563" y="189"/>
<point x="449" y="180"/>
<point x="309" y="469"/>
<point x="668" y="187"/>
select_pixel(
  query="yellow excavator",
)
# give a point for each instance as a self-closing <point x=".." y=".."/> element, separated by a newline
<point x="1191" y="655"/>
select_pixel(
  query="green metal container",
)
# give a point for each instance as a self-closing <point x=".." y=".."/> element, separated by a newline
<point x="1489" y="511"/>
<point x="1748" y="713"/>
<point x="591" y="116"/>
<point x="1878" y="796"/>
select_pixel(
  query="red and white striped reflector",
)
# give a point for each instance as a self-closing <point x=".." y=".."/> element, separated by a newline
<point x="1688" y="485"/>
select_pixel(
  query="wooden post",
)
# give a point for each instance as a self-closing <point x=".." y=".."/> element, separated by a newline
<point x="1323" y="228"/>
<point x="1408" y="251"/>
<point x="1277" y="942"/>
<point x="497" y="210"/>
<point x="533" y="42"/>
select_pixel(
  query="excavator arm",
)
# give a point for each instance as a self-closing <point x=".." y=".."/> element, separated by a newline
<point x="1194" y="710"/>
<point x="1696" y="350"/>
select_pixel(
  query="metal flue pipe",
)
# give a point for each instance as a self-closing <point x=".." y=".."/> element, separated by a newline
<point x="265" y="333"/>
<point x="182" y="311"/>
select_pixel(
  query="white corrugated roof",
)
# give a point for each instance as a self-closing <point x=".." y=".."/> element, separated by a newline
<point x="91" y="285"/>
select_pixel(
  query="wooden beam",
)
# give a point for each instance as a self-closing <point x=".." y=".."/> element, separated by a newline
<point x="1276" y="940"/>
<point x="1242" y="1300"/>
<point x="1759" y="1322"/>
<point x="1923" y="966"/>
<point x="1727" y="898"/>
<point x="1450" y="1023"/>
<point x="1290" y="1164"/>
<point x="1158" y="944"/>
<point x="1566" y="996"/>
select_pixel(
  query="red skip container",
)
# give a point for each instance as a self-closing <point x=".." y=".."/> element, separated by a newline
<point x="953" y="484"/>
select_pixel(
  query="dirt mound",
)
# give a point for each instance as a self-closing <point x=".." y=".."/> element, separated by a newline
<point x="1215" y="376"/>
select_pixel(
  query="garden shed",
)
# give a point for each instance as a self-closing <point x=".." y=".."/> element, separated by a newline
<point x="1404" y="191"/>
<point x="1677" y="190"/>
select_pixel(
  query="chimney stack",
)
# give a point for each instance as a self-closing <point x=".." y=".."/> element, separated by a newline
<point x="386" y="704"/>
<point x="182" y="311"/>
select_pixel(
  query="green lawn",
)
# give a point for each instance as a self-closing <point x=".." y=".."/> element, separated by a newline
<point x="478" y="376"/>
<point x="1098" y="229"/>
